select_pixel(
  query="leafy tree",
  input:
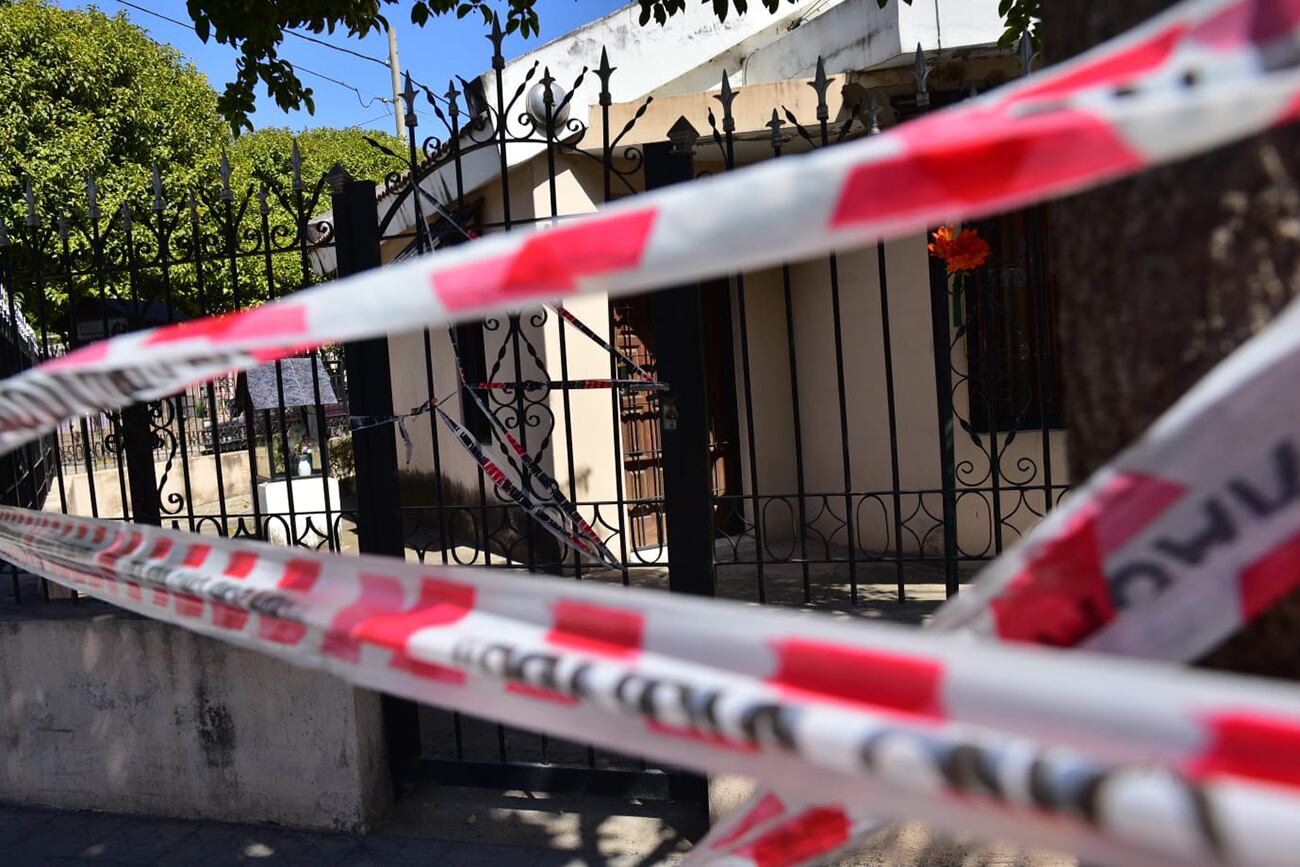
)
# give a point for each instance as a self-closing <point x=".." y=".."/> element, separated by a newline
<point x="86" y="95"/>
<point x="261" y="162"/>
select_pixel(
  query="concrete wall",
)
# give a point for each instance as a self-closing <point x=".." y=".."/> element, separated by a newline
<point x="100" y="710"/>
<point x="202" y="482"/>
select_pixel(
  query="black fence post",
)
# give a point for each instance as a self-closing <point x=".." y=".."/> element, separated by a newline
<point x="679" y="353"/>
<point x="379" y="518"/>
<point x="356" y="233"/>
<point x="142" y="477"/>
<point x="688" y="486"/>
<point x="939" y="300"/>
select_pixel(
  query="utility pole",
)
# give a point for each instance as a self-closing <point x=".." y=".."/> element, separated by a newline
<point x="395" y="68"/>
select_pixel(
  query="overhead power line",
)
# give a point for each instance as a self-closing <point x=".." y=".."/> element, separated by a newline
<point x="383" y="63"/>
<point x="188" y="25"/>
<point x="365" y="103"/>
<point x="303" y="36"/>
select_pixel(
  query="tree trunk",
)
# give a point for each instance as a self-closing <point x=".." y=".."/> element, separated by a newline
<point x="1161" y="277"/>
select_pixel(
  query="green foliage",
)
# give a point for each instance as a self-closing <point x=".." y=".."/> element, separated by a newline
<point x="260" y="160"/>
<point x="84" y="94"/>
<point x="1021" y="17"/>
<point x="662" y="10"/>
<point x="257" y="29"/>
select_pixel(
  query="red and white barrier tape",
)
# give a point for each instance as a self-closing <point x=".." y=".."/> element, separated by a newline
<point x="1207" y="73"/>
<point x="1163" y="554"/>
<point x="1137" y="764"/>
<point x="1137" y="562"/>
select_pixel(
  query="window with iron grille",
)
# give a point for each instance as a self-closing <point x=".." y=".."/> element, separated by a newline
<point x="1010" y="327"/>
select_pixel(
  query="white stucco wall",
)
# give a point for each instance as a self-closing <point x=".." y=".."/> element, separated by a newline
<point x="858" y="34"/>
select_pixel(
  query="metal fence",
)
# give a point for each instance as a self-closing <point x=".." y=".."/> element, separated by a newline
<point x="200" y="459"/>
<point x="859" y="428"/>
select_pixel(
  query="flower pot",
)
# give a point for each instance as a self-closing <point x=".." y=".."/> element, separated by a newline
<point x="304" y="465"/>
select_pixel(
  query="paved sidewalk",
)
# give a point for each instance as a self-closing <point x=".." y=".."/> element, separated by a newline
<point x="49" y="838"/>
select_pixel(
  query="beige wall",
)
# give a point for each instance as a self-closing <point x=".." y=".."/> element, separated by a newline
<point x="865" y="406"/>
<point x="595" y="470"/>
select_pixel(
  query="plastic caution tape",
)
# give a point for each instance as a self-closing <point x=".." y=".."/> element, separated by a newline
<point x="1163" y="554"/>
<point x="1207" y="73"/>
<point x="1133" y="764"/>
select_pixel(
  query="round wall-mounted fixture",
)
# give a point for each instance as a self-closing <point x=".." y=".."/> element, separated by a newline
<point x="536" y="106"/>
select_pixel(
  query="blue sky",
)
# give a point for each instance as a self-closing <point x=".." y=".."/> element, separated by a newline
<point x="433" y="53"/>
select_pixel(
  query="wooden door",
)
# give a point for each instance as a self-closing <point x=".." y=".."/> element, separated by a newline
<point x="634" y="335"/>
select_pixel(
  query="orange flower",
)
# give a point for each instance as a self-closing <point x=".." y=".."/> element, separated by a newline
<point x="964" y="252"/>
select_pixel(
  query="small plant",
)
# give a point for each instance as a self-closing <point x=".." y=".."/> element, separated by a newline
<point x="342" y="463"/>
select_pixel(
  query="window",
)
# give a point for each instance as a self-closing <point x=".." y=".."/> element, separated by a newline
<point x="473" y="360"/>
<point x="1011" y="319"/>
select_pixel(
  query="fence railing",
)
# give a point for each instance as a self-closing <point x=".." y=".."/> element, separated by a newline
<point x="831" y="431"/>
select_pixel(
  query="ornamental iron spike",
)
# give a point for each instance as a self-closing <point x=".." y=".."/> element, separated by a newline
<point x="158" y="201"/>
<point x="726" y="97"/>
<point x="452" y="96"/>
<point x="820" y="84"/>
<point x="476" y="104"/>
<point x="496" y="37"/>
<point x="873" y="115"/>
<point x="548" y="95"/>
<point x="125" y="211"/>
<point x="263" y="208"/>
<point x="295" y="160"/>
<point x="775" y="125"/>
<point x="62" y="219"/>
<point x="92" y="197"/>
<point x="603" y="72"/>
<point x="30" y="195"/>
<point x="922" y="73"/>
<point x="408" y="99"/>
<point x="224" y="171"/>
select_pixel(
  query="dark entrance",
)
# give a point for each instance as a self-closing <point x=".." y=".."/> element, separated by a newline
<point x="639" y="415"/>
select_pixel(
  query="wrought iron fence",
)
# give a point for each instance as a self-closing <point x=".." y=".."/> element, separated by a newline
<point x="197" y="460"/>
<point x="832" y="432"/>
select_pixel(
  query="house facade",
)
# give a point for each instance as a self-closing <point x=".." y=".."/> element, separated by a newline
<point x="844" y="449"/>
